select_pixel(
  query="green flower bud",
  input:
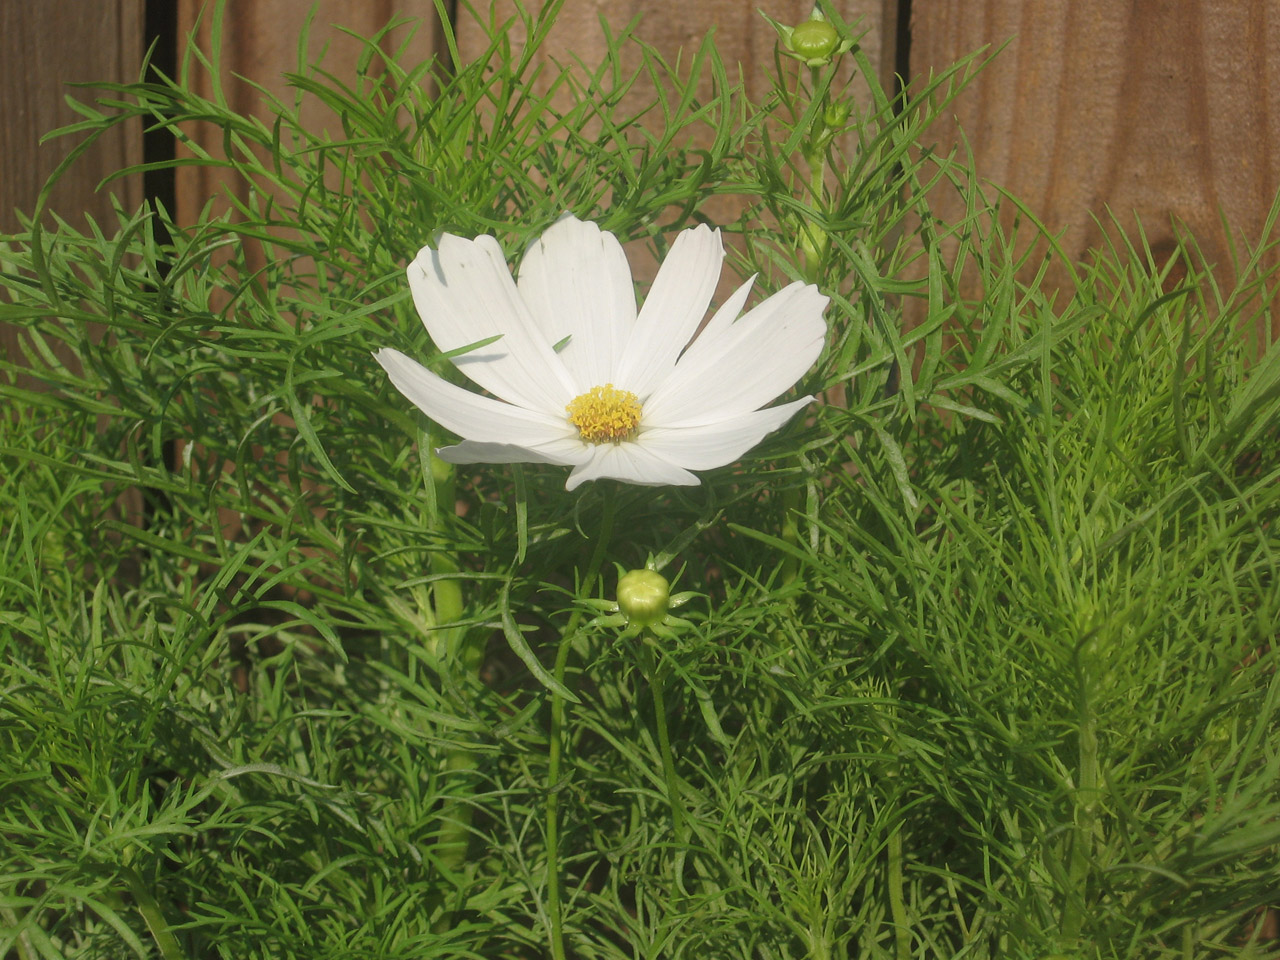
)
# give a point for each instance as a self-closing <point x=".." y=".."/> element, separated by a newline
<point x="643" y="596"/>
<point x="813" y="245"/>
<point x="837" y="114"/>
<point x="814" y="41"/>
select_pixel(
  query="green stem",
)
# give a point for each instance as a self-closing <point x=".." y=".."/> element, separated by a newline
<point x="897" y="905"/>
<point x="553" y="804"/>
<point x="465" y="658"/>
<point x="1086" y="802"/>
<point x="555" y="743"/>
<point x="790" y="532"/>
<point x="153" y="917"/>
<point x="456" y="653"/>
<point x="814" y="238"/>
<point x="656" y="681"/>
<point x="813" y="244"/>
<point x="22" y="942"/>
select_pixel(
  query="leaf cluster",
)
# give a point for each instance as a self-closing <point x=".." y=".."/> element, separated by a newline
<point x="980" y="661"/>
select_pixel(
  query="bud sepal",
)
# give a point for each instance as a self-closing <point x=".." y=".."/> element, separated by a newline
<point x="815" y="42"/>
<point x="643" y="605"/>
<point x="644" y="596"/>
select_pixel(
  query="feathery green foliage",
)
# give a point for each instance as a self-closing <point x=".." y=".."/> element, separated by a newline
<point x="981" y="659"/>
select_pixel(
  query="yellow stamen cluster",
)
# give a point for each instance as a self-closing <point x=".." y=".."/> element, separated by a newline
<point x="605" y="414"/>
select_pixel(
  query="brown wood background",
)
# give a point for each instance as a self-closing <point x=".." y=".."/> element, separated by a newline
<point x="261" y="44"/>
<point x="44" y="47"/>
<point x="1161" y="112"/>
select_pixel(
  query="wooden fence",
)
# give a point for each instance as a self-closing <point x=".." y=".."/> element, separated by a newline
<point x="1165" y="113"/>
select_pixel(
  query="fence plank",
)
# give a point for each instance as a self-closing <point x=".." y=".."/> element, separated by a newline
<point x="262" y="40"/>
<point x="1156" y="111"/>
<point x="261" y="44"/>
<point x="43" y="47"/>
<point x="676" y="29"/>
<point x="742" y="36"/>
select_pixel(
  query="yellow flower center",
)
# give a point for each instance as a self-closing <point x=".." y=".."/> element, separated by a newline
<point x="605" y="414"/>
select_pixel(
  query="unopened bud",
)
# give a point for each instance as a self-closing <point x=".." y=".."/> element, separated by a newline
<point x="814" y="41"/>
<point x="813" y="245"/>
<point x="836" y="114"/>
<point x="643" y="597"/>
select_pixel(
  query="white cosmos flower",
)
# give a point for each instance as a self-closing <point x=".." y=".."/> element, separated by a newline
<point x="582" y="380"/>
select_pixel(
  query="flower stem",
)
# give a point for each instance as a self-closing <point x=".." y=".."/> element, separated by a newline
<point x="897" y="906"/>
<point x="656" y="688"/>
<point x="454" y="652"/>
<point x="814" y="238"/>
<point x="556" y="739"/>
<point x="1085" y="802"/>
<point x="153" y="917"/>
<point x="466" y="657"/>
<point x="813" y="245"/>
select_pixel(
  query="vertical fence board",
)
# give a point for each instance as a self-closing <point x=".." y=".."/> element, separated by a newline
<point x="260" y="44"/>
<point x="675" y="29"/>
<point x="742" y="36"/>
<point x="262" y="35"/>
<point x="1158" y="112"/>
<point x="44" y="47"/>
<point x="261" y="38"/>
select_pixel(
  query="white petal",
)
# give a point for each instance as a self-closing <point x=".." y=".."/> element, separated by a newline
<point x="714" y="445"/>
<point x="577" y="284"/>
<point x="676" y="304"/>
<point x="631" y="463"/>
<point x="468" y="414"/>
<point x="734" y="368"/>
<point x="464" y="293"/>
<point x="562" y="452"/>
<point x="729" y="310"/>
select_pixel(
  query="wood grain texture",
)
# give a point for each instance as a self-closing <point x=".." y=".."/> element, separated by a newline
<point x="43" y="48"/>
<point x="676" y="29"/>
<point x="262" y="36"/>
<point x="1160" y="111"/>
<point x="742" y="35"/>
<point x="260" y="44"/>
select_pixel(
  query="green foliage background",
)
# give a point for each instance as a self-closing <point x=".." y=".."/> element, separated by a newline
<point x="981" y="662"/>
